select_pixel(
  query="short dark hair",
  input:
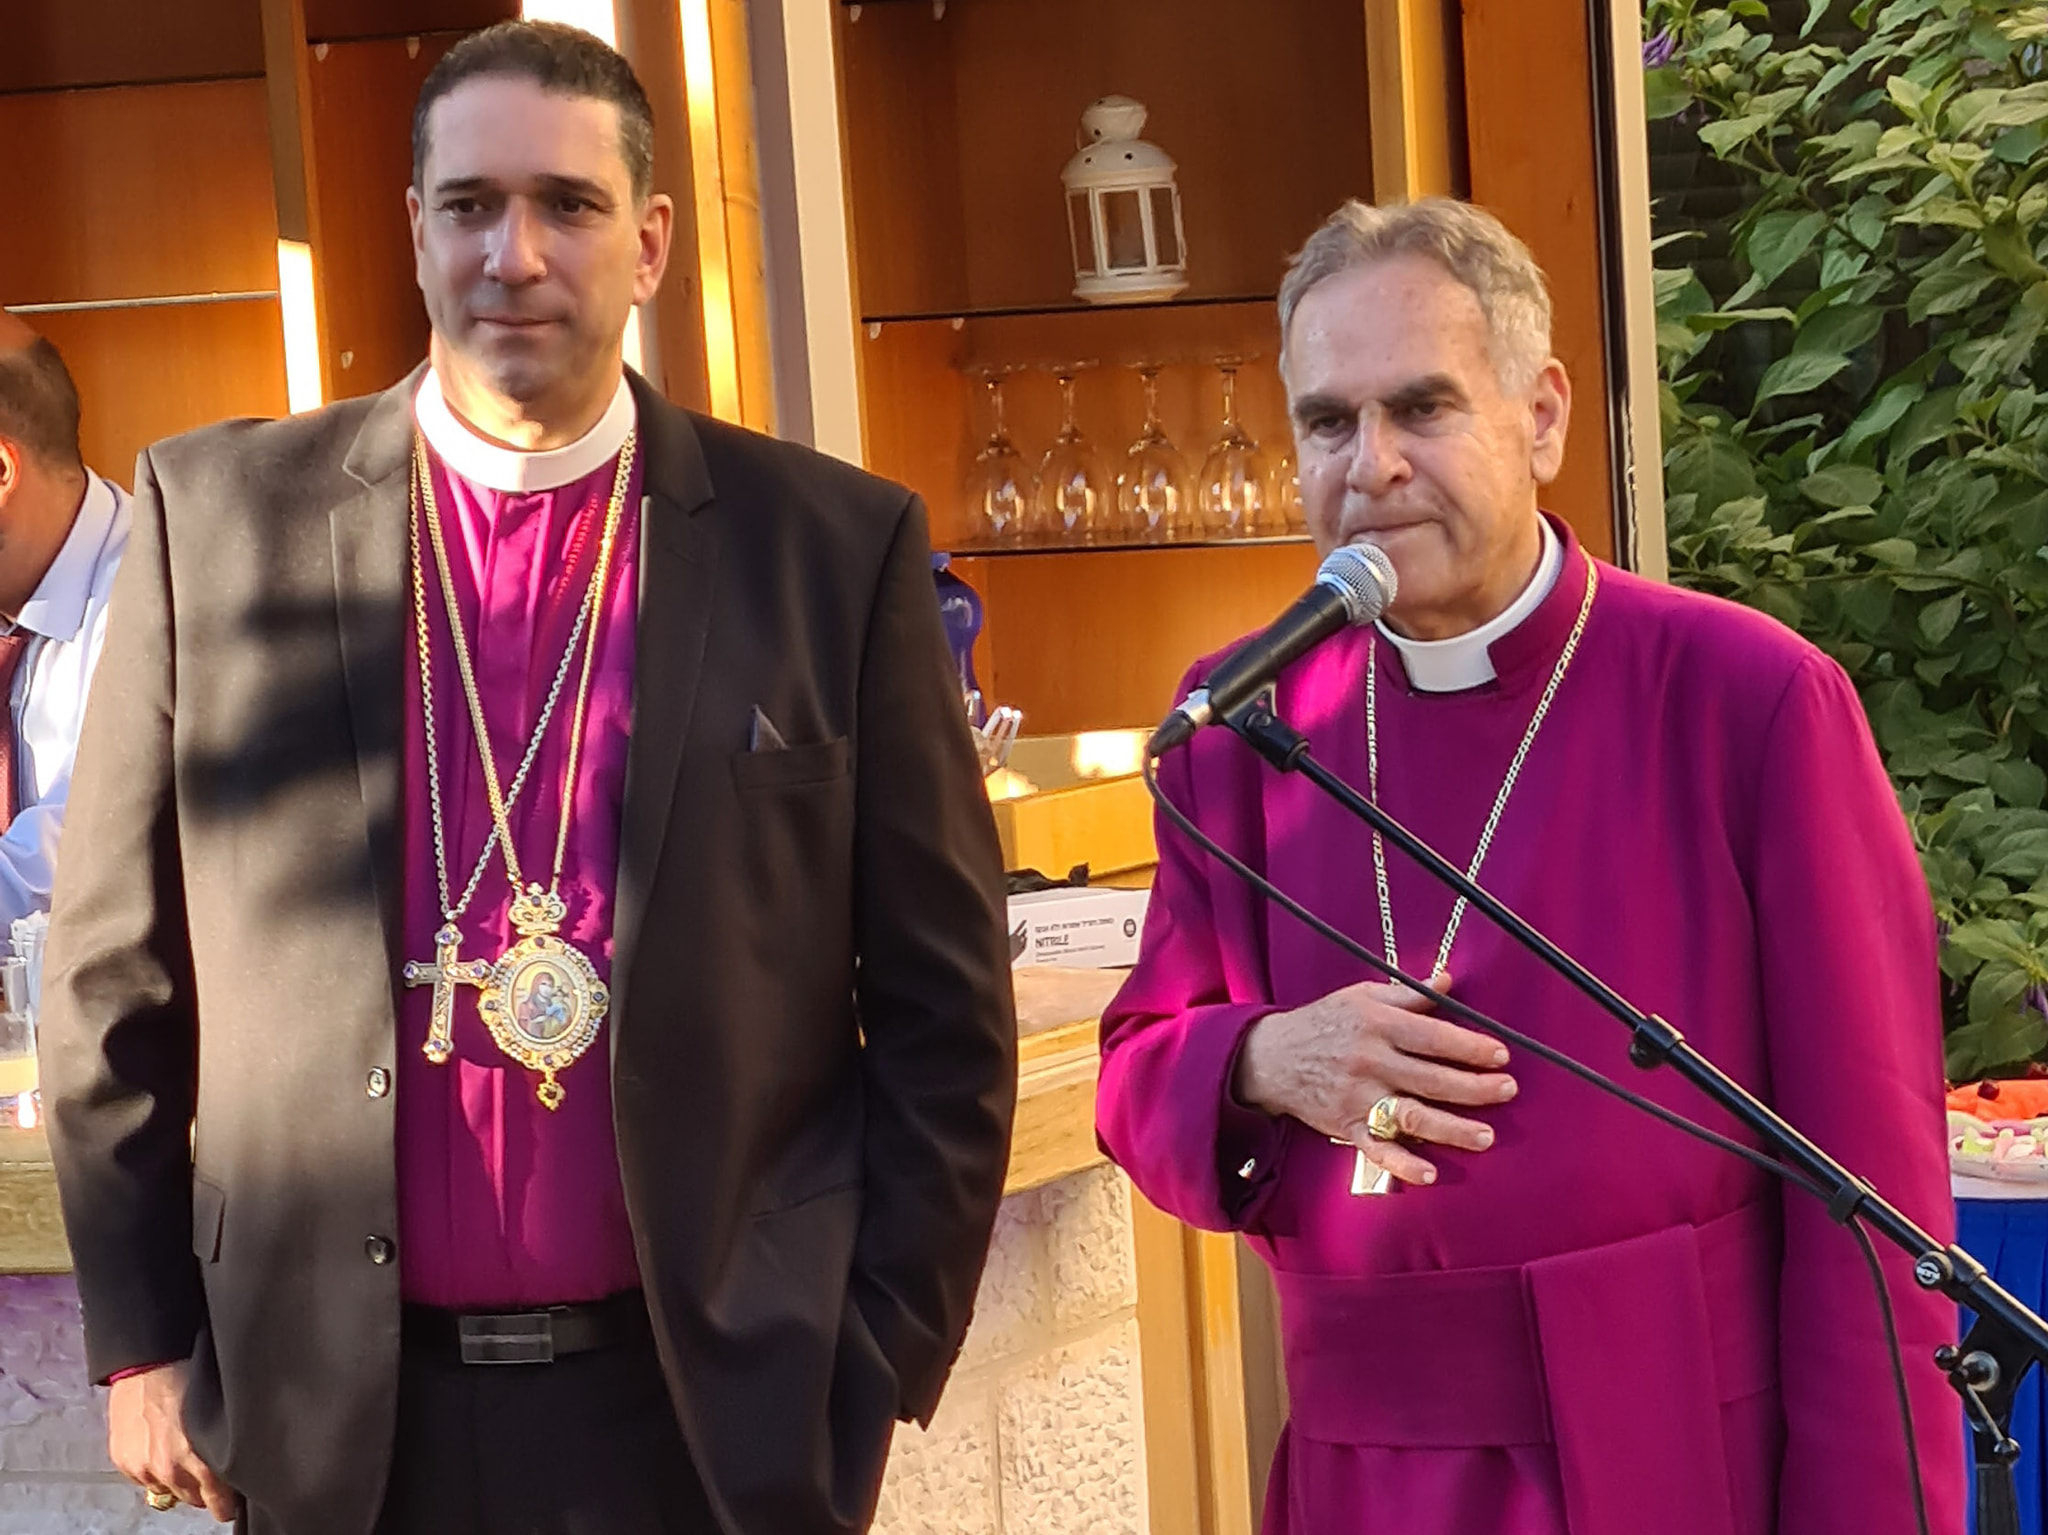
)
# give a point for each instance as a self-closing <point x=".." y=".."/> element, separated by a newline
<point x="39" y="403"/>
<point x="563" y="60"/>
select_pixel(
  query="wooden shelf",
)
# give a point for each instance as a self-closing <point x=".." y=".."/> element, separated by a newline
<point x="1048" y="311"/>
<point x="974" y="551"/>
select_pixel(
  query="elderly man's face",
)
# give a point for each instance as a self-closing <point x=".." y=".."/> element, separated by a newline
<point x="1407" y="439"/>
<point x="530" y="249"/>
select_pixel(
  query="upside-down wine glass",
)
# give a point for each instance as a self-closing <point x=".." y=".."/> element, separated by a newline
<point x="997" y="487"/>
<point x="1152" y="489"/>
<point x="1232" y="493"/>
<point x="1073" y="495"/>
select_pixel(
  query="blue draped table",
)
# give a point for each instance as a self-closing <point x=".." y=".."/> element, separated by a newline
<point x="2010" y="1238"/>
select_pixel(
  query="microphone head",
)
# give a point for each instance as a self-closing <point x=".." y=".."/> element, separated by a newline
<point x="1363" y="576"/>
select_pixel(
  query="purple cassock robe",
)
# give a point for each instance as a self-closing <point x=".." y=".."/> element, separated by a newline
<point x="1599" y="1326"/>
<point x="501" y="1201"/>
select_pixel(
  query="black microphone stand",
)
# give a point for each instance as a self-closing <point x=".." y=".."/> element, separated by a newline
<point x="2004" y="1342"/>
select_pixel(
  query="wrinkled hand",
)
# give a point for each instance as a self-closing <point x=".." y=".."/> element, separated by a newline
<point x="146" y="1441"/>
<point x="1328" y="1063"/>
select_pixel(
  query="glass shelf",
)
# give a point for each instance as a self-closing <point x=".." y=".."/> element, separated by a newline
<point x="1032" y="311"/>
<point x="978" y="551"/>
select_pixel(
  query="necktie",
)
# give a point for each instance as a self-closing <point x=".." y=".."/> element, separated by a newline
<point x="13" y="646"/>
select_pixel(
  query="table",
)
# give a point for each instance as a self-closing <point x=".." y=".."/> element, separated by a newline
<point x="2009" y="1236"/>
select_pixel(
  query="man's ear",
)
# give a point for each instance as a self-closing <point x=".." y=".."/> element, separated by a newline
<point x="1550" y="412"/>
<point x="10" y="469"/>
<point x="657" y="230"/>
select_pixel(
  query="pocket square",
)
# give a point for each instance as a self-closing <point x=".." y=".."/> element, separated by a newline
<point x="762" y="736"/>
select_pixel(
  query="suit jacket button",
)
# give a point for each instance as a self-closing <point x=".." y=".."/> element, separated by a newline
<point x="380" y="1082"/>
<point x="377" y="1249"/>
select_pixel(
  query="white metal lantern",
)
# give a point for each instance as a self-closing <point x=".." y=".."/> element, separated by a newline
<point x="1123" y="210"/>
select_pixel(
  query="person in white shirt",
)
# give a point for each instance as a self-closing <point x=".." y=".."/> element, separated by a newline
<point x="62" y="530"/>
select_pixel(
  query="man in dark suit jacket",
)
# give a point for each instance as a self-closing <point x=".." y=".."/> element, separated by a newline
<point x="316" y="1264"/>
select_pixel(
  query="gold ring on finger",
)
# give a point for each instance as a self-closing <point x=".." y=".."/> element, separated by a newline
<point x="1383" y="1119"/>
<point x="160" y="1500"/>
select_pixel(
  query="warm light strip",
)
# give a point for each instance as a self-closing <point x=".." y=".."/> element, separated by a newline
<point x="593" y="16"/>
<point x="302" y="387"/>
<point x="707" y="177"/>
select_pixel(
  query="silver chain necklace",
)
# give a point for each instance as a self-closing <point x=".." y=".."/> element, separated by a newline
<point x="1500" y="800"/>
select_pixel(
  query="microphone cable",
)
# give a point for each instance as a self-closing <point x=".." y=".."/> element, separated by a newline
<point x="1588" y="1074"/>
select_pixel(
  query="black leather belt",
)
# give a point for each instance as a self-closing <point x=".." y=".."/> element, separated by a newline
<point x="539" y="1336"/>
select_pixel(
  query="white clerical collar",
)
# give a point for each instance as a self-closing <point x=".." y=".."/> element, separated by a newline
<point x="507" y="469"/>
<point x="57" y="609"/>
<point x="1464" y="660"/>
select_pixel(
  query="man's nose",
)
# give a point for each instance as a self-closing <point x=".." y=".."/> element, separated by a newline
<point x="1377" y="462"/>
<point x="515" y="255"/>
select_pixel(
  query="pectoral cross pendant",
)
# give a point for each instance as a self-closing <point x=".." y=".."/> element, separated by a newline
<point x="444" y="975"/>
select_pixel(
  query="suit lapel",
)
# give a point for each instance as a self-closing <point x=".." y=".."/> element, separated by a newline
<point x="370" y="601"/>
<point x="679" y="551"/>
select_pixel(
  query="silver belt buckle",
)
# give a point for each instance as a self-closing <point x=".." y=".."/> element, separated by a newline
<point x="527" y="1337"/>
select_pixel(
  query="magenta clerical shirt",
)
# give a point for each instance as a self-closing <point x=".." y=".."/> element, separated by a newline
<point x="503" y="1203"/>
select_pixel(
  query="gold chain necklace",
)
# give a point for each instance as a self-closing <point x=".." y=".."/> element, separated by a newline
<point x="542" y="1000"/>
<point x="1365" y="1179"/>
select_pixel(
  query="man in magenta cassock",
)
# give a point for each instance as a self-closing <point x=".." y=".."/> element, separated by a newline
<point x="1566" y="1318"/>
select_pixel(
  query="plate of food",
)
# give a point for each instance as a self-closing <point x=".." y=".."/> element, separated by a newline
<point x="1999" y="1130"/>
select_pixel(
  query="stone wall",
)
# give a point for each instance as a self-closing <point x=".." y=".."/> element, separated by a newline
<point x="1042" y="1428"/>
<point x="54" y="1475"/>
<point x="1041" y="1431"/>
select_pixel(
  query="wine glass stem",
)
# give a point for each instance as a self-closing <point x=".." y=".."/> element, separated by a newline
<point x="1069" y="428"/>
<point x="1230" y="397"/>
<point x="1151" y="378"/>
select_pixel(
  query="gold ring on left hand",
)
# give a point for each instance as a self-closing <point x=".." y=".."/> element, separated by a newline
<point x="1382" y="1120"/>
<point x="161" y="1500"/>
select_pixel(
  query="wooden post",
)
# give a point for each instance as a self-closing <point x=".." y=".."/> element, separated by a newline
<point x="301" y="272"/>
<point x="1411" y="69"/>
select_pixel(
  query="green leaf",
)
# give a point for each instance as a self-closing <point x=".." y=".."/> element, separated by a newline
<point x="1847" y="485"/>
<point x="1722" y="319"/>
<point x="1902" y="553"/>
<point x="1665" y="93"/>
<point x="1881" y="415"/>
<point x="1909" y="96"/>
<point x="1815" y="9"/>
<point x="1990" y="938"/>
<point x="1868" y="606"/>
<point x="1726" y="134"/>
<point x="2019" y="782"/>
<point x="1938" y="619"/>
<point x="1839" y="328"/>
<point x="1799" y="373"/>
<point x="1712" y="468"/>
<point x="1931" y="418"/>
<point x="1779" y="239"/>
<point x="1996" y="989"/>
<point x="1944" y="292"/>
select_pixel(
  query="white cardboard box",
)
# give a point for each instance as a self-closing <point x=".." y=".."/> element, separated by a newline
<point x="1094" y="927"/>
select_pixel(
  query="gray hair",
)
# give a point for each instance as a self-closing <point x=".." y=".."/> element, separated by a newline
<point x="1467" y="242"/>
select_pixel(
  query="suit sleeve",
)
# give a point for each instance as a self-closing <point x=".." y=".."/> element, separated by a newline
<point x="1853" y="1018"/>
<point x="1164" y="1109"/>
<point x="933" y="987"/>
<point x="118" y="1037"/>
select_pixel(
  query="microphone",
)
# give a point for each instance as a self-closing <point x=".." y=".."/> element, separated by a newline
<point x="1354" y="585"/>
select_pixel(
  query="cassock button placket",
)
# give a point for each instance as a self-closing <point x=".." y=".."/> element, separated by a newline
<point x="378" y="1250"/>
<point x="379" y="1083"/>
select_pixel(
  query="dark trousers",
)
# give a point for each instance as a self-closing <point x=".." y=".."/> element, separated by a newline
<point x="587" y="1445"/>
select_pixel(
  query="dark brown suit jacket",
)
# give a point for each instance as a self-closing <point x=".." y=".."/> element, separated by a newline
<point x="812" y="1044"/>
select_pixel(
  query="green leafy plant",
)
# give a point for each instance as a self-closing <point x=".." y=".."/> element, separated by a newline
<point x="1856" y="431"/>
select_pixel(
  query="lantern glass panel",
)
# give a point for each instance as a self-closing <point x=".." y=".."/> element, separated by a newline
<point x="1082" y="228"/>
<point x="1164" y="227"/>
<point x="1123" y="227"/>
